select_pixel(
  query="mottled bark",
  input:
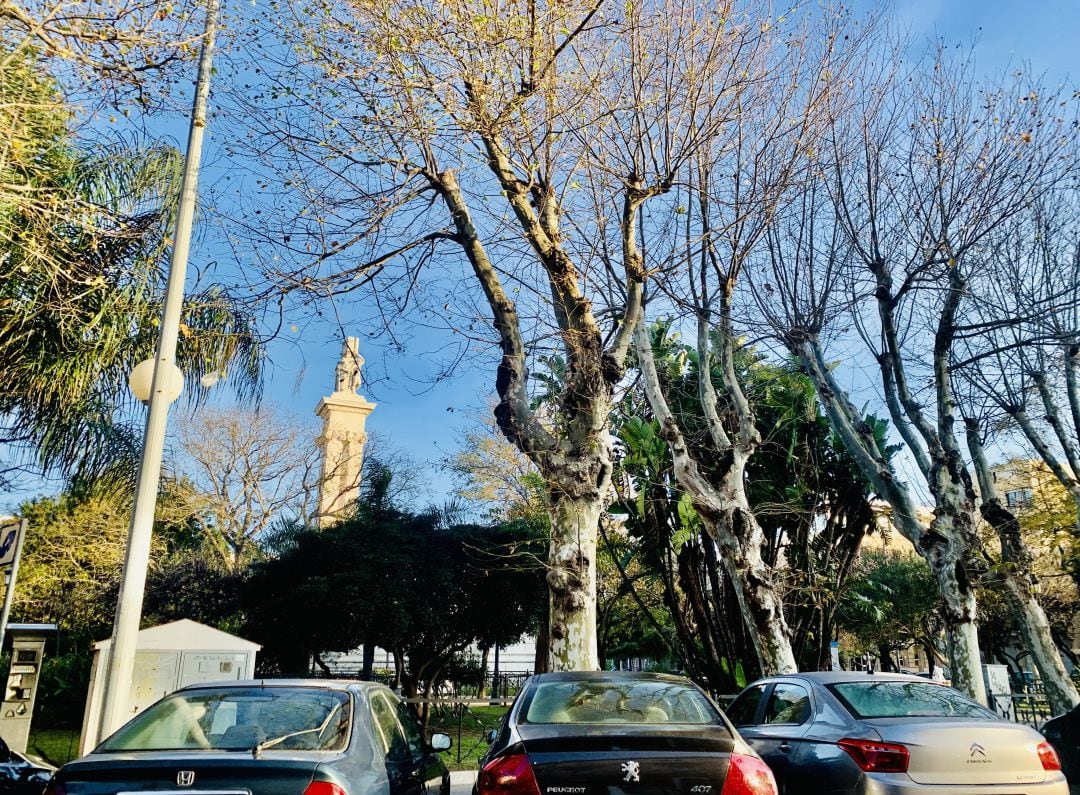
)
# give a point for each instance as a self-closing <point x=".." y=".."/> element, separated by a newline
<point x="938" y="544"/>
<point x="727" y="516"/>
<point x="576" y="463"/>
<point x="571" y="579"/>
<point x="1014" y="578"/>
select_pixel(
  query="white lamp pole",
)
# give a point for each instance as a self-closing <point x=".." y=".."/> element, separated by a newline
<point x="115" y="708"/>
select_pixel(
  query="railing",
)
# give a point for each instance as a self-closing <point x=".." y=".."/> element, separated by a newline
<point x="468" y="721"/>
<point x="503" y="685"/>
<point x="1030" y="708"/>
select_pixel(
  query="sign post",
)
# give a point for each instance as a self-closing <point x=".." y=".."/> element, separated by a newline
<point x="11" y="544"/>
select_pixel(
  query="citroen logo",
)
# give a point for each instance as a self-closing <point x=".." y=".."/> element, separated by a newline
<point x="978" y="750"/>
<point x="185" y="778"/>
<point x="632" y="770"/>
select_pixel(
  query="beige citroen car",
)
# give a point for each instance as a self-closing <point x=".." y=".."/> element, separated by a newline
<point x="845" y="733"/>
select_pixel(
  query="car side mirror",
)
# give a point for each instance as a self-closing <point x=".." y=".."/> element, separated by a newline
<point x="491" y="735"/>
<point x="441" y="742"/>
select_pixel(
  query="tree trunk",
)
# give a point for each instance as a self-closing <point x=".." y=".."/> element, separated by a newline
<point x="946" y="560"/>
<point x="1035" y="629"/>
<point x="367" y="672"/>
<point x="721" y="502"/>
<point x="888" y="664"/>
<point x="1015" y="578"/>
<point x="739" y="537"/>
<point x="543" y="642"/>
<point x="931" y="657"/>
<point x="943" y="548"/>
<point x="573" y="455"/>
<point x="481" y="690"/>
<point x="571" y="582"/>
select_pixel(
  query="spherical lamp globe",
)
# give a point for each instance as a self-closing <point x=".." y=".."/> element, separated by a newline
<point x="141" y="381"/>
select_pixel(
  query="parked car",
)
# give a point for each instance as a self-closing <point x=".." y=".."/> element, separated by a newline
<point x="846" y="733"/>
<point x="288" y="737"/>
<point x="618" y="732"/>
<point x="1063" y="732"/>
<point x="21" y="775"/>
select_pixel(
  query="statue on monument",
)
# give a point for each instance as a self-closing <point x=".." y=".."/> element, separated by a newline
<point x="348" y="367"/>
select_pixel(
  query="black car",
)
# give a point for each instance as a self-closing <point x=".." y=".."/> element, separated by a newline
<point x="610" y="733"/>
<point x="19" y="775"/>
<point x="847" y="733"/>
<point x="1063" y="732"/>
<point x="287" y="737"/>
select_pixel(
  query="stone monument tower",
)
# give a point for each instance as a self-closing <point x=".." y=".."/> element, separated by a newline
<point x="344" y="414"/>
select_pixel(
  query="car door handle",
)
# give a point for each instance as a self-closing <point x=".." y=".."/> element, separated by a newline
<point x="785" y="747"/>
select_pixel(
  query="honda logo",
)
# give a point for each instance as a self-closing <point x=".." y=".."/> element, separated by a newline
<point x="185" y="778"/>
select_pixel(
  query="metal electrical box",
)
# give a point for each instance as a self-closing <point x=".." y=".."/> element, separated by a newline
<point x="999" y="690"/>
<point x="24" y="674"/>
<point x="167" y="658"/>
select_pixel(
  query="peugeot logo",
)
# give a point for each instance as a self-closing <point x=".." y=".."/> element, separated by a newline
<point x="977" y="749"/>
<point x="632" y="770"/>
<point x="185" y="778"/>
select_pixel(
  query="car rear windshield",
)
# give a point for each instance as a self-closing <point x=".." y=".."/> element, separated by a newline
<point x="239" y="719"/>
<point x="619" y="701"/>
<point x="892" y="699"/>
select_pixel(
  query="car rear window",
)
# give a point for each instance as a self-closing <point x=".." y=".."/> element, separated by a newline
<point x="615" y="701"/>
<point x="893" y="699"/>
<point x="239" y="719"/>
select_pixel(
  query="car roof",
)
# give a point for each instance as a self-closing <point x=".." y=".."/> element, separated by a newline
<point x="608" y="676"/>
<point x="834" y="677"/>
<point x="319" y="684"/>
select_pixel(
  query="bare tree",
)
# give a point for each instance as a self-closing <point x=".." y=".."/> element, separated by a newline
<point x="916" y="183"/>
<point x="251" y="468"/>
<point x="1014" y="357"/>
<point x="754" y="161"/>
<point x="1020" y="355"/>
<point x="103" y="49"/>
<point x="508" y="150"/>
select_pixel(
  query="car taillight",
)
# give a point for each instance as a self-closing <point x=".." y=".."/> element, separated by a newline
<point x="748" y="775"/>
<point x="508" y="775"/>
<point x="1048" y="756"/>
<point x="323" y="788"/>
<point x="877" y="757"/>
<point x="54" y="787"/>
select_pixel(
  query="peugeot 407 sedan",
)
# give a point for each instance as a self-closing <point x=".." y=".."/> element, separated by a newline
<point x="287" y="737"/>
<point x="842" y="733"/>
<point x="614" y="733"/>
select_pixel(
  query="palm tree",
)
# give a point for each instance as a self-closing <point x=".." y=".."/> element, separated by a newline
<point x="83" y="246"/>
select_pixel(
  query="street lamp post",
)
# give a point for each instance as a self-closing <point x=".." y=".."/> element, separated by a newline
<point x="121" y="659"/>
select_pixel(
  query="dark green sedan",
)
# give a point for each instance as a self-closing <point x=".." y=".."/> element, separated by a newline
<point x="273" y="737"/>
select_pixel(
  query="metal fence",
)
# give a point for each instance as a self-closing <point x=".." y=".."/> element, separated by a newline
<point x="468" y="721"/>
<point x="1028" y="705"/>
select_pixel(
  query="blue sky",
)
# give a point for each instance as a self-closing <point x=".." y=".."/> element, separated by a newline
<point x="1042" y="32"/>
<point x="426" y="419"/>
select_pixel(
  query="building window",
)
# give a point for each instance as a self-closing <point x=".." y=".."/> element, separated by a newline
<point x="1018" y="498"/>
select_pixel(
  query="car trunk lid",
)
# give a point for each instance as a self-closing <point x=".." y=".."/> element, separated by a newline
<point x="234" y="773"/>
<point x="967" y="752"/>
<point x="653" y="760"/>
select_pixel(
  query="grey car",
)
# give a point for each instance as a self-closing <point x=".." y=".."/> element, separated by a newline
<point x="269" y="737"/>
<point x="843" y="733"/>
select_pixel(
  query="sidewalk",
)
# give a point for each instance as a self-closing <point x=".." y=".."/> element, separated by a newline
<point x="461" y="782"/>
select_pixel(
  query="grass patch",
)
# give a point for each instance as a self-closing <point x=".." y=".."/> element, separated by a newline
<point x="55" y="746"/>
<point x="468" y="725"/>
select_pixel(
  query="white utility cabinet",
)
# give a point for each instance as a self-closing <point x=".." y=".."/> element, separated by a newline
<point x="167" y="657"/>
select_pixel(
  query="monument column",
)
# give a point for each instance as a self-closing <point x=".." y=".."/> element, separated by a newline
<point x="344" y="414"/>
